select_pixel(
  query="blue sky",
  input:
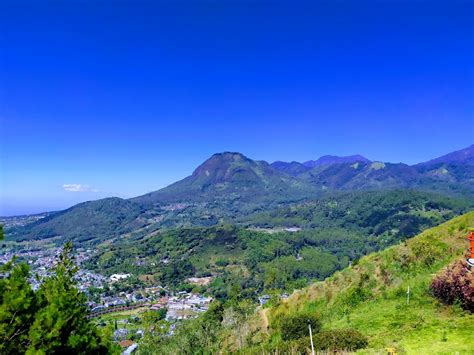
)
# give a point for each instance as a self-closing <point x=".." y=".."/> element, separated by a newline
<point x="125" y="97"/>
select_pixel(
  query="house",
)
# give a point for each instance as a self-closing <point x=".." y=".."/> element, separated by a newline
<point x="120" y="334"/>
<point x="117" y="277"/>
<point x="263" y="299"/>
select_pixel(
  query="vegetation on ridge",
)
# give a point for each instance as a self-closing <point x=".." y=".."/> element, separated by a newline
<point x="372" y="298"/>
<point x="363" y="307"/>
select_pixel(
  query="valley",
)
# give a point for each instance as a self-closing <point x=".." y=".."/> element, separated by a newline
<point x="237" y="177"/>
<point x="245" y="239"/>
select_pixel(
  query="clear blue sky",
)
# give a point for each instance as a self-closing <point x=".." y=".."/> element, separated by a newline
<point x="125" y="97"/>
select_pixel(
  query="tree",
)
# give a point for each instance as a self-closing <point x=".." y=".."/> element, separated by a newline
<point x="61" y="324"/>
<point x="295" y="326"/>
<point x="17" y="308"/>
<point x="236" y="319"/>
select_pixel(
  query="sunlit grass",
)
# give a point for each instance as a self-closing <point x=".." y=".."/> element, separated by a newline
<point x="372" y="296"/>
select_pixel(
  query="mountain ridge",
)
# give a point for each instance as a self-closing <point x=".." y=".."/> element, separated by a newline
<point x="230" y="183"/>
<point x="465" y="156"/>
<point x="334" y="159"/>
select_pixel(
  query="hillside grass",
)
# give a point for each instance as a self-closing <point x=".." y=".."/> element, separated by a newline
<point x="371" y="297"/>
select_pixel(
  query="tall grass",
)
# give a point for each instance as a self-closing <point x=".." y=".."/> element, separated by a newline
<point x="371" y="296"/>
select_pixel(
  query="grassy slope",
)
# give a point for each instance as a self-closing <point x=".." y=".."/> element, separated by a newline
<point x="371" y="296"/>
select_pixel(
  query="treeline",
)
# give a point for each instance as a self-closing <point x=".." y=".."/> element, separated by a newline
<point x="399" y="212"/>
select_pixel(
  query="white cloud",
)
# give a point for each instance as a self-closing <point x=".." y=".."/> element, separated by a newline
<point x="78" y="188"/>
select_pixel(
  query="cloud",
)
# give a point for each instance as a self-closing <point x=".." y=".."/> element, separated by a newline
<point x="78" y="188"/>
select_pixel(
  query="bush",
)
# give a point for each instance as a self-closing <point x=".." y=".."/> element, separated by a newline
<point x="340" y="339"/>
<point x="455" y="284"/>
<point x="295" y="326"/>
<point x="427" y="251"/>
<point x="222" y="262"/>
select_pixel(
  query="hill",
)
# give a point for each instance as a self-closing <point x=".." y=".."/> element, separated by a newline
<point x="364" y="307"/>
<point x="230" y="186"/>
<point x="86" y="221"/>
<point x="262" y="255"/>
<point x="371" y="297"/>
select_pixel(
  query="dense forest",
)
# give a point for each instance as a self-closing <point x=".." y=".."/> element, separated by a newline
<point x="361" y="307"/>
<point x="258" y="256"/>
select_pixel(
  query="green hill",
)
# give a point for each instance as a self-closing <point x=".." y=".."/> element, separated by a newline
<point x="333" y="232"/>
<point x="371" y="297"/>
<point x="229" y="186"/>
<point x="88" y="221"/>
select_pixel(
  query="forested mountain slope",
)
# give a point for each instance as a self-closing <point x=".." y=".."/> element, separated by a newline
<point x="259" y="255"/>
<point x="229" y="187"/>
<point x="88" y="221"/>
<point x="231" y="176"/>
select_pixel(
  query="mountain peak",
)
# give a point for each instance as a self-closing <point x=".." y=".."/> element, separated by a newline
<point x="221" y="161"/>
<point x="334" y="159"/>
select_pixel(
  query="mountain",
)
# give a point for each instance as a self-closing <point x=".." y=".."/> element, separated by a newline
<point x="333" y="159"/>
<point x="229" y="185"/>
<point x="229" y="176"/>
<point x="234" y="177"/>
<point x="294" y="168"/>
<point x="463" y="156"/>
<point x="363" y="176"/>
<point x="371" y="298"/>
<point x="101" y="219"/>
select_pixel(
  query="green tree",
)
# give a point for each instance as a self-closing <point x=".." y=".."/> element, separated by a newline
<point x="295" y="326"/>
<point x="61" y="324"/>
<point x="17" y="308"/>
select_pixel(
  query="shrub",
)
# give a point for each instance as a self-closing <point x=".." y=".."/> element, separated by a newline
<point x="455" y="284"/>
<point x="222" y="262"/>
<point x="300" y="346"/>
<point x="295" y="326"/>
<point x="427" y="251"/>
<point x="340" y="339"/>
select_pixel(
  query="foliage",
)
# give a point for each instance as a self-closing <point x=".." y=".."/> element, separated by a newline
<point x="235" y="318"/>
<point x="340" y="339"/>
<point x="194" y="336"/>
<point x="17" y="308"/>
<point x="295" y="326"/>
<point x="247" y="261"/>
<point x="154" y="316"/>
<point x="51" y="320"/>
<point x="455" y="284"/>
<point x="371" y="297"/>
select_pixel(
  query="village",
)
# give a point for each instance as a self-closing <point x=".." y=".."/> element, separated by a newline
<point x="120" y="310"/>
